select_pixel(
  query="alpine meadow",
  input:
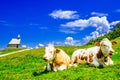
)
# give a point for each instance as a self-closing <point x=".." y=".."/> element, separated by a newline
<point x="29" y="65"/>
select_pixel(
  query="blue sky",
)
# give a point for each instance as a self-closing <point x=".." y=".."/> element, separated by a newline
<point x="61" y="22"/>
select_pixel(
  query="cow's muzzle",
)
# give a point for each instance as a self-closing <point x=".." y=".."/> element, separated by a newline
<point x="105" y="59"/>
<point x="111" y="53"/>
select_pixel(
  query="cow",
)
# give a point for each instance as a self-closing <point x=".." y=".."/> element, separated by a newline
<point x="57" y="59"/>
<point x="97" y="55"/>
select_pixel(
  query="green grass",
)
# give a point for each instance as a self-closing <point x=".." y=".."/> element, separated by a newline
<point x="29" y="65"/>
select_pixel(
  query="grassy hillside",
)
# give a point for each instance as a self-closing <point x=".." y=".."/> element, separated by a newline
<point x="28" y="65"/>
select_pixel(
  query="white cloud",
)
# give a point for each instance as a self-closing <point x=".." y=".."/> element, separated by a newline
<point x="67" y="14"/>
<point x="93" y="35"/>
<point x="77" y="23"/>
<point x="71" y="41"/>
<point x="102" y="27"/>
<point x="101" y="23"/>
<point x="56" y="43"/>
<point x="36" y="47"/>
<point x="87" y="39"/>
<point x="114" y="23"/>
<point x="99" y="14"/>
<point x="100" y="30"/>
<point x="41" y="45"/>
<point x="24" y="46"/>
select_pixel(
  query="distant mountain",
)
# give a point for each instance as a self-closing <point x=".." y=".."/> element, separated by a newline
<point x="111" y="35"/>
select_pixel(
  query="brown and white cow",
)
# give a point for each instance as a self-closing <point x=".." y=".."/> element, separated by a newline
<point x="98" y="55"/>
<point x="57" y="59"/>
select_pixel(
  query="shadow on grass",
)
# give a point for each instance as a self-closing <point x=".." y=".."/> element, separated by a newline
<point x="100" y="66"/>
<point x="40" y="73"/>
<point x="116" y="66"/>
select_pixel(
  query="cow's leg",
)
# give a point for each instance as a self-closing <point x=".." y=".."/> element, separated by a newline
<point x="108" y="61"/>
<point x="78" y="60"/>
<point x="48" y="67"/>
<point x="75" y="61"/>
<point x="62" y="67"/>
<point x="55" y="67"/>
<point x="111" y="62"/>
<point x="95" y="63"/>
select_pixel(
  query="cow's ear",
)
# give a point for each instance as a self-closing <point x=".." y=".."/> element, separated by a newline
<point x="57" y="50"/>
<point x="114" y="42"/>
<point x="97" y="44"/>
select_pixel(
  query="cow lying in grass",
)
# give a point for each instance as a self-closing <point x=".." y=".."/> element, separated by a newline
<point x="57" y="59"/>
<point x="98" y="55"/>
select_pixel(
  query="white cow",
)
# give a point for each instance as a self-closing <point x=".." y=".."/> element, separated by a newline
<point x="98" y="55"/>
<point x="57" y="59"/>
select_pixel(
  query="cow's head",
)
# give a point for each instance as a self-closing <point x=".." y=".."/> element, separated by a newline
<point x="106" y="47"/>
<point x="49" y="53"/>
